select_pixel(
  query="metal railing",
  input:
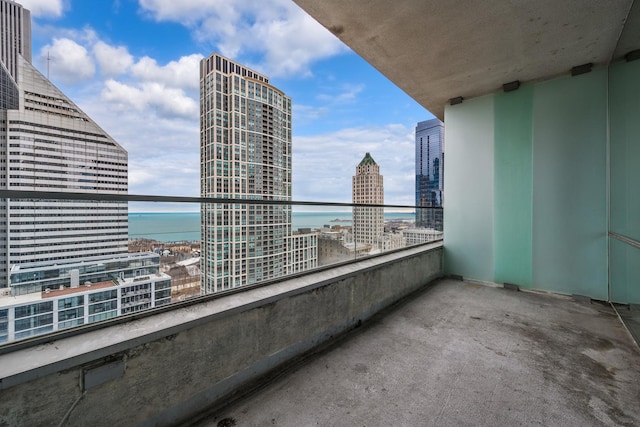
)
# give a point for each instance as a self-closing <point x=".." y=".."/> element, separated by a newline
<point x="296" y="252"/>
<point x="625" y="239"/>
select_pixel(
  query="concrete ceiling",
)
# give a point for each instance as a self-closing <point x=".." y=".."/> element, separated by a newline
<point x="440" y="49"/>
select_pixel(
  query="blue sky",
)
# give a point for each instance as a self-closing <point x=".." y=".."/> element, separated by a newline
<point x="132" y="65"/>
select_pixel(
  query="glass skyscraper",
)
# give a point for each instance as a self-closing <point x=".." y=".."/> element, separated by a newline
<point x="429" y="172"/>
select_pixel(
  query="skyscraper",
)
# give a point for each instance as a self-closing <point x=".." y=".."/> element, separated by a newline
<point x="429" y="172"/>
<point x="368" y="188"/>
<point x="63" y="263"/>
<point x="48" y="144"/>
<point x="245" y="153"/>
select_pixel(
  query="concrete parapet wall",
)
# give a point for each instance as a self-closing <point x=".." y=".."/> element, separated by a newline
<point x="163" y="369"/>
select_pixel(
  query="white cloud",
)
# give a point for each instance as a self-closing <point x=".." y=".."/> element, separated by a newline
<point x="70" y="61"/>
<point x="40" y="8"/>
<point x="306" y="114"/>
<point x="166" y="90"/>
<point x="163" y="148"/>
<point x="295" y="41"/>
<point x="184" y="73"/>
<point x="166" y="101"/>
<point x="348" y="94"/>
<point x="143" y="86"/>
<point x="190" y="12"/>
<point x="287" y="39"/>
<point x="391" y="146"/>
<point x="113" y="60"/>
<point x="151" y="107"/>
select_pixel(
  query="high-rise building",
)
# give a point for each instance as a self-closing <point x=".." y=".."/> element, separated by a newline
<point x="48" y="144"/>
<point x="429" y="173"/>
<point x="15" y="41"/>
<point x="63" y="262"/>
<point x="368" y="222"/>
<point x="245" y="153"/>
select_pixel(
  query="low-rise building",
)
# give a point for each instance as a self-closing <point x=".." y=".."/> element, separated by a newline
<point x="47" y="297"/>
<point x="302" y="254"/>
<point x="415" y="236"/>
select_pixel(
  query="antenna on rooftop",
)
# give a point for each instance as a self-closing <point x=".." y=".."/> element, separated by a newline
<point x="48" y="63"/>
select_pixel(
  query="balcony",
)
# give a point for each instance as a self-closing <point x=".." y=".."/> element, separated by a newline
<point x="216" y="344"/>
<point x="335" y="343"/>
<point x="334" y="347"/>
<point x="459" y="353"/>
<point x="449" y="352"/>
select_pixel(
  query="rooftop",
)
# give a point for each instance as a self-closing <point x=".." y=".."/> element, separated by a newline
<point x="457" y="353"/>
<point x="82" y="288"/>
<point x="82" y="261"/>
<point x="367" y="160"/>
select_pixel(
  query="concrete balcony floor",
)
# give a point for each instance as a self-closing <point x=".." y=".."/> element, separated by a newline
<point x="457" y="354"/>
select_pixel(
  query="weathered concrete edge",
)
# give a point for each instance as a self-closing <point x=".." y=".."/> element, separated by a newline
<point x="227" y="387"/>
<point x="65" y="354"/>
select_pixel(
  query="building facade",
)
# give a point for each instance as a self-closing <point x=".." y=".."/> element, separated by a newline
<point x="245" y="153"/>
<point x="368" y="188"/>
<point x="80" y="291"/>
<point x="302" y="252"/>
<point x="63" y="262"/>
<point x="429" y="173"/>
<point x="416" y="236"/>
<point x="48" y="144"/>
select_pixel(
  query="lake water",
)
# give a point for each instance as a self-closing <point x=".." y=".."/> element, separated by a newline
<point x="180" y="226"/>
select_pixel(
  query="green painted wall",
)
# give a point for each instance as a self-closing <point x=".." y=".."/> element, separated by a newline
<point x="468" y="205"/>
<point x="513" y="183"/>
<point x="624" y="119"/>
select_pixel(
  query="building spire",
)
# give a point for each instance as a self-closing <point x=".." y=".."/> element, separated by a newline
<point x="367" y="160"/>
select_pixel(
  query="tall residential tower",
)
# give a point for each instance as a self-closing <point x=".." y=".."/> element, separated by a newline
<point x="429" y="173"/>
<point x="48" y="144"/>
<point x="368" y="222"/>
<point x="245" y="153"/>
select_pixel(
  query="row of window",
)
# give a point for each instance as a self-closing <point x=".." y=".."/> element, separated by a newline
<point x="103" y="139"/>
<point x="82" y="179"/>
<point x="95" y="153"/>
<point x="31" y="219"/>
<point x="69" y="205"/>
<point x="62" y="254"/>
<point x="67" y="187"/>
<point x="56" y="113"/>
<point x="70" y="240"/>
<point x="39" y="233"/>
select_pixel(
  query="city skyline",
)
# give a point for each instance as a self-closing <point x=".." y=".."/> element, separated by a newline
<point x="143" y="57"/>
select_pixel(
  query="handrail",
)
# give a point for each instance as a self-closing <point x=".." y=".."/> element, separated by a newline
<point x="625" y="239"/>
<point x="36" y="340"/>
<point x="115" y="197"/>
<point x="124" y="198"/>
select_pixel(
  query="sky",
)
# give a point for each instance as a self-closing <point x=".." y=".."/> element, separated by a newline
<point x="133" y="66"/>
